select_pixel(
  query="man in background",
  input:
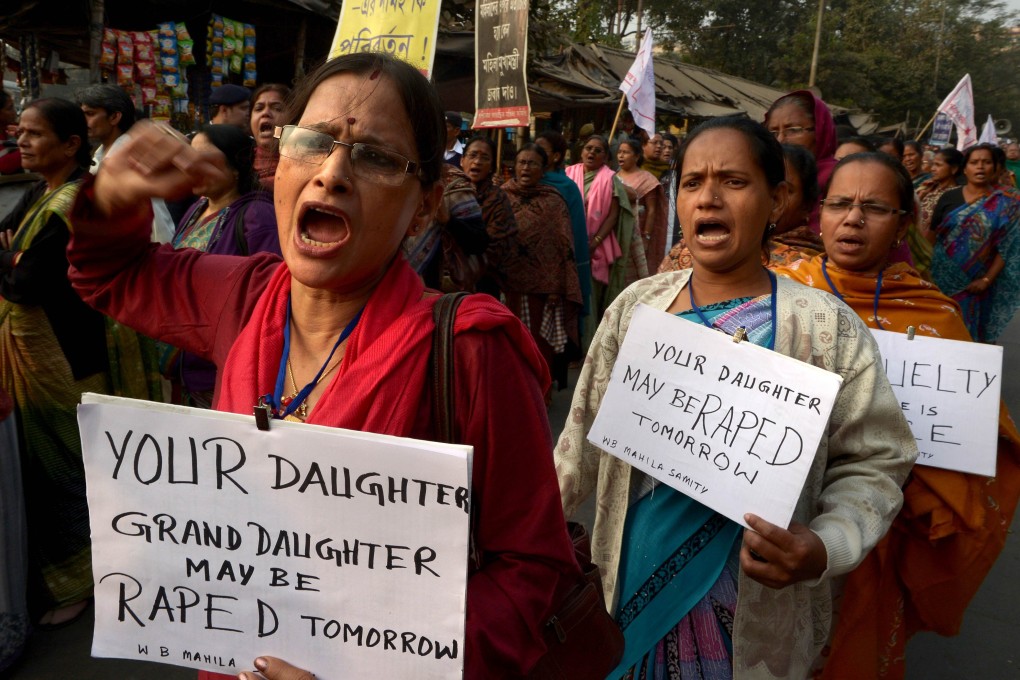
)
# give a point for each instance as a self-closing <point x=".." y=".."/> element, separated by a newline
<point x="454" y="147"/>
<point x="109" y="114"/>
<point x="230" y="105"/>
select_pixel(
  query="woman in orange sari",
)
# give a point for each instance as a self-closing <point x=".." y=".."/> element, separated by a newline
<point x="953" y="525"/>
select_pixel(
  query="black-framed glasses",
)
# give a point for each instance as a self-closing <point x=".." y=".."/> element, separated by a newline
<point x="841" y="206"/>
<point x="793" y="131"/>
<point x="368" y="162"/>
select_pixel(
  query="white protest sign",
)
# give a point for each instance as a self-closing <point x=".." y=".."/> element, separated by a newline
<point x="732" y="425"/>
<point x="949" y="392"/>
<point x="213" y="542"/>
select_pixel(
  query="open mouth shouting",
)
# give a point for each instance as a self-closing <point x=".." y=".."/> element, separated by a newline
<point x="710" y="231"/>
<point x="322" y="228"/>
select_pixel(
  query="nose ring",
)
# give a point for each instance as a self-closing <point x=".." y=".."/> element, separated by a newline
<point x="861" y="221"/>
<point x="715" y="198"/>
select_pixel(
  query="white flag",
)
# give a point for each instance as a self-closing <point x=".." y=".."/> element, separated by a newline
<point x="639" y="86"/>
<point x="959" y="106"/>
<point x="988" y="134"/>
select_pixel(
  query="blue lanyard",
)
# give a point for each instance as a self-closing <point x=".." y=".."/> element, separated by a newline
<point x="274" y="399"/>
<point x="708" y="324"/>
<point x="832" y="287"/>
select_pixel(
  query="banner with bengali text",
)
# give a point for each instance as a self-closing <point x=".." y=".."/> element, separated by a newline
<point x="405" y="29"/>
<point x="501" y="48"/>
<point x="214" y="542"/>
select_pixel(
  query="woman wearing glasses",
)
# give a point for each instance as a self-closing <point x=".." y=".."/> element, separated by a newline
<point x="698" y="595"/>
<point x="803" y="119"/>
<point x="359" y="171"/>
<point x="547" y="297"/>
<point x="953" y="525"/>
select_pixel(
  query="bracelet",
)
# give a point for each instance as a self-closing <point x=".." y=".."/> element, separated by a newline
<point x="598" y="239"/>
<point x="985" y="278"/>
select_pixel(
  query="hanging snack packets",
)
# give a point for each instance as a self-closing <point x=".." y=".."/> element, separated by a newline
<point x="108" y="49"/>
<point x="186" y="51"/>
<point x="124" y="75"/>
<point x="228" y="47"/>
<point x="148" y="94"/>
<point x="167" y="29"/>
<point x="182" y="31"/>
<point x="161" y="107"/>
<point x="251" y="76"/>
<point x="146" y="70"/>
<point x="125" y="50"/>
<point x="235" y="63"/>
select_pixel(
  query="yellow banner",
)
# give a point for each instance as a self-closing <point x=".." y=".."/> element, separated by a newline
<point x="404" y="28"/>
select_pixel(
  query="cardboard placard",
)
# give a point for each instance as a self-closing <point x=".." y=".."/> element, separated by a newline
<point x="342" y="552"/>
<point x="732" y="425"/>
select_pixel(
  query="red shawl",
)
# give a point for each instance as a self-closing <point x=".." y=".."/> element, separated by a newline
<point x="393" y="338"/>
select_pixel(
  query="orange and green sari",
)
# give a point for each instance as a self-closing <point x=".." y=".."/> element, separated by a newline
<point x="953" y="525"/>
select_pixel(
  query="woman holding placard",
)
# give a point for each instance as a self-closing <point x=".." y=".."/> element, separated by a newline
<point x="693" y="590"/>
<point x="953" y="525"/>
<point x="339" y="332"/>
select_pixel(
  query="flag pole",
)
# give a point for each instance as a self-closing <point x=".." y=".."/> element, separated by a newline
<point x="619" y="110"/>
<point x="499" y="151"/>
<point x="927" y="125"/>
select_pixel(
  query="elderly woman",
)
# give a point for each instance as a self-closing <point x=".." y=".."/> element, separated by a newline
<point x="803" y="119"/>
<point x="479" y="162"/>
<point x="547" y="297"/>
<point x="268" y="104"/>
<point x="359" y="171"/>
<point x="53" y="347"/>
<point x="697" y="595"/>
<point x="953" y="525"/>
<point x="977" y="253"/>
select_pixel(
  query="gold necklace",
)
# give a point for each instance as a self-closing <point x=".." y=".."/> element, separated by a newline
<point x="302" y="410"/>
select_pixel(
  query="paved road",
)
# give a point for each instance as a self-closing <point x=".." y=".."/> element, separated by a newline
<point x="988" y="646"/>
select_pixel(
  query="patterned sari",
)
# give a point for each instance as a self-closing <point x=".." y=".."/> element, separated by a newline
<point x="966" y="243"/>
<point x="680" y="560"/>
<point x="36" y="373"/>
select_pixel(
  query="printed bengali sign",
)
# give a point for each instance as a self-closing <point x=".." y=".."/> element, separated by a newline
<point x="405" y="29"/>
<point x="732" y="425"/>
<point x="949" y="391"/>
<point x="213" y="542"/>
<point x="501" y="48"/>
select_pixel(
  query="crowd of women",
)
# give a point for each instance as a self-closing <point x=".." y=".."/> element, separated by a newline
<point x="754" y="226"/>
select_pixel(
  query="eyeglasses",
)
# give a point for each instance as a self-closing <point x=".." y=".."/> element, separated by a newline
<point x="795" y="131"/>
<point x="368" y="162"/>
<point x="841" y="206"/>
<point x="523" y="163"/>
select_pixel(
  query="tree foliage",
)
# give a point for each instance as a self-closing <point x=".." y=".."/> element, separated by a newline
<point x="892" y="57"/>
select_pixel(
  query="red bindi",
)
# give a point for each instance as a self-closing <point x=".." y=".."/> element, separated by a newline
<point x="375" y="74"/>
<point x="352" y="120"/>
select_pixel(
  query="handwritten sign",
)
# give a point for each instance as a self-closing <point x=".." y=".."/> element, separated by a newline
<point x="949" y="391"/>
<point x="501" y="48"/>
<point x="405" y="29"/>
<point x="732" y="425"/>
<point x="213" y="542"/>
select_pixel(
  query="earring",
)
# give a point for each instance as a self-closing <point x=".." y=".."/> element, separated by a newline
<point x="769" y="230"/>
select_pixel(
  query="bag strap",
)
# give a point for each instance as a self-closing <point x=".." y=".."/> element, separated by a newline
<point x="239" y="238"/>
<point x="441" y="365"/>
<point x="444" y="312"/>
